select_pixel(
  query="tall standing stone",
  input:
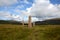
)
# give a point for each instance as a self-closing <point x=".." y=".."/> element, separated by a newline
<point x="29" y="22"/>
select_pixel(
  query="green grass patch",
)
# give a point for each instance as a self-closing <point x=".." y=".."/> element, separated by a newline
<point x="18" y="32"/>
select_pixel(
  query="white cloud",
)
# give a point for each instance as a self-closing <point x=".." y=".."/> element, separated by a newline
<point x="7" y="2"/>
<point x="8" y="15"/>
<point x="35" y="19"/>
<point x="23" y="12"/>
<point x="4" y="14"/>
<point x="19" y="7"/>
<point x="25" y="1"/>
<point x="45" y="10"/>
<point x="41" y="9"/>
<point x="16" y="17"/>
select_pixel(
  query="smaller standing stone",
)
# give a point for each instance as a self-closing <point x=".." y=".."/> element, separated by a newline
<point x="33" y="23"/>
<point x="23" y="23"/>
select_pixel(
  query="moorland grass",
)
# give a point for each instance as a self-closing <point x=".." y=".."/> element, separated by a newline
<point x="38" y="32"/>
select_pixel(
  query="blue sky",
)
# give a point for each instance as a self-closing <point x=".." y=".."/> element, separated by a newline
<point x="55" y="1"/>
<point x="21" y="9"/>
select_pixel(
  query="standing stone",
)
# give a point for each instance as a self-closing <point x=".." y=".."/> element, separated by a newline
<point x="33" y="23"/>
<point x="29" y="22"/>
<point x="23" y="23"/>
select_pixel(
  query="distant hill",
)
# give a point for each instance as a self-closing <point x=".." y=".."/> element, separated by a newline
<point x="9" y="22"/>
<point x="55" y="21"/>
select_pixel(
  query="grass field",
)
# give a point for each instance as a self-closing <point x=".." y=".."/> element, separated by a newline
<point x="39" y="32"/>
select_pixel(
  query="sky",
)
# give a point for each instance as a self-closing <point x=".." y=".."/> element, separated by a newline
<point x="20" y="9"/>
